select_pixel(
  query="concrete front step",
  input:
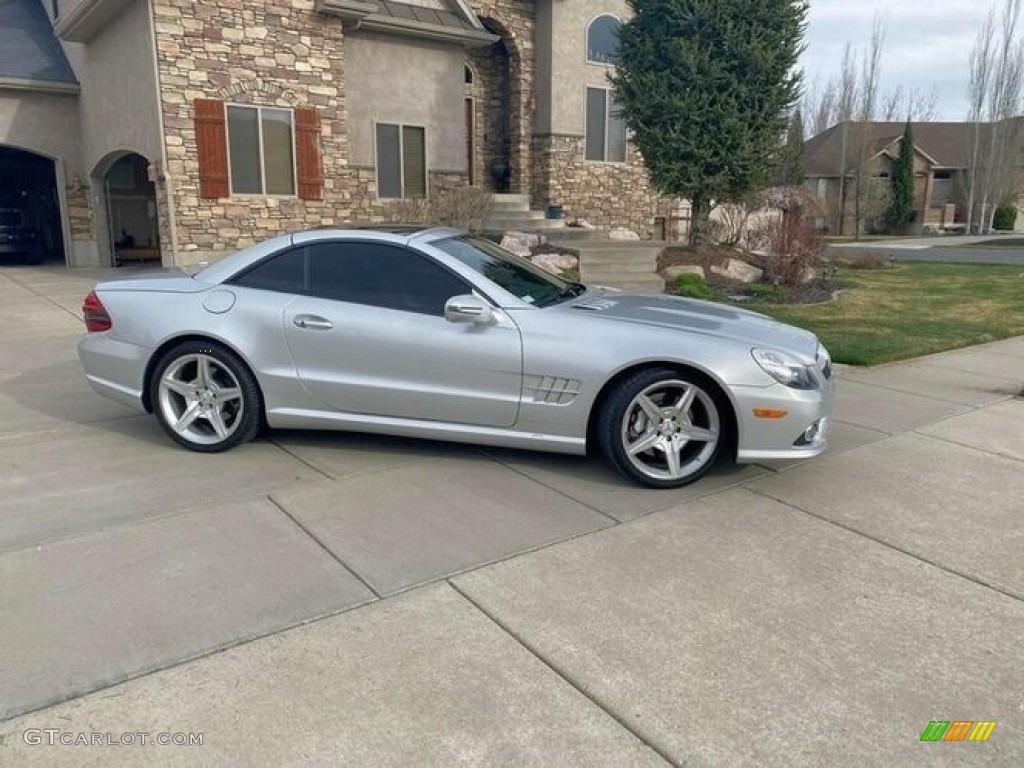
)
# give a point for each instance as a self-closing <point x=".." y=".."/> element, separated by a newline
<point x="516" y="216"/>
<point x="652" y="284"/>
<point x="612" y="257"/>
<point x="516" y="202"/>
<point x="500" y="226"/>
<point x="620" y="267"/>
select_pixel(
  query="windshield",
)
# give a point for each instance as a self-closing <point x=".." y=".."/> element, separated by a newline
<point x="516" y="275"/>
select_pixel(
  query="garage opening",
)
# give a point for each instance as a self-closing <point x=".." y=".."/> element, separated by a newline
<point x="30" y="224"/>
<point x="131" y="212"/>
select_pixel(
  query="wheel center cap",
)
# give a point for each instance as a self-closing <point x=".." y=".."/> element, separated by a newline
<point x="668" y="427"/>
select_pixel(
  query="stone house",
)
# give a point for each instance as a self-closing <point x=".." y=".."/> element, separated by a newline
<point x="177" y="131"/>
<point x="941" y="169"/>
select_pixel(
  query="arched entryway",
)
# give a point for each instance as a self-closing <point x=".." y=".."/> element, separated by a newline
<point x="30" y="220"/>
<point x="500" y="161"/>
<point x="132" y="234"/>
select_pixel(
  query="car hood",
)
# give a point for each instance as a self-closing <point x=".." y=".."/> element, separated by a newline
<point x="695" y="316"/>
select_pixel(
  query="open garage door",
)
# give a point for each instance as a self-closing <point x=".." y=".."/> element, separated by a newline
<point x="30" y="222"/>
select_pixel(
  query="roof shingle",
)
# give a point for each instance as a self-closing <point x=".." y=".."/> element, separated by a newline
<point x="29" y="49"/>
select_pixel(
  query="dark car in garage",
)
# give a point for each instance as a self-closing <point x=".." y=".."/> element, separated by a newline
<point x="18" y="238"/>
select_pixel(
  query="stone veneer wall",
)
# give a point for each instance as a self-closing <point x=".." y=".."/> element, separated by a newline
<point x="260" y="52"/>
<point x="80" y="218"/>
<point x="608" y="195"/>
<point x="514" y="21"/>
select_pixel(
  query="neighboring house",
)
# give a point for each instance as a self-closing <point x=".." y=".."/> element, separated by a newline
<point x="179" y="130"/>
<point x="941" y="170"/>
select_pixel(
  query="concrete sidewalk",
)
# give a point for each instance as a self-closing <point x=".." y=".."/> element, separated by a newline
<point x="341" y="599"/>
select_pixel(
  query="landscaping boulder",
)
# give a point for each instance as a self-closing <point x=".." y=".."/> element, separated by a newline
<point x="623" y="234"/>
<point x="739" y="270"/>
<point x="809" y="274"/>
<point x="521" y="243"/>
<point x="556" y="263"/>
<point x="685" y="269"/>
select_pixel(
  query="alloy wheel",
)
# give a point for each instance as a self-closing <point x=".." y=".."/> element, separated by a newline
<point x="670" y="430"/>
<point x="200" y="399"/>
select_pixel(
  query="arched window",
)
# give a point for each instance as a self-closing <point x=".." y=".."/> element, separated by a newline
<point x="469" y="74"/>
<point x="603" y="40"/>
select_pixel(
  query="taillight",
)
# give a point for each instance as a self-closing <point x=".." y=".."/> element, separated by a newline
<point x="95" y="314"/>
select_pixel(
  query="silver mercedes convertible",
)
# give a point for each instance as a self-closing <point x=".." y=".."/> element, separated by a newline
<point x="435" y="333"/>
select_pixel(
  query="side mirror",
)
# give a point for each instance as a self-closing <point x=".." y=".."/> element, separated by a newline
<point x="468" y="309"/>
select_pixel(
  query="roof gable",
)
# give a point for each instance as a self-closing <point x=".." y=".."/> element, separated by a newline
<point x="944" y="145"/>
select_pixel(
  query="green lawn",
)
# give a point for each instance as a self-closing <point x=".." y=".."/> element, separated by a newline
<point x="912" y="310"/>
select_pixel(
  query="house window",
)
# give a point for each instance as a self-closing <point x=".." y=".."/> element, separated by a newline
<point x="401" y="161"/>
<point x="603" y="40"/>
<point x="55" y="9"/>
<point x="606" y="130"/>
<point x="261" y="151"/>
<point x="942" y="187"/>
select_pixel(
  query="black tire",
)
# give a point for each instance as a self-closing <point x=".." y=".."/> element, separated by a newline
<point x="706" y="413"/>
<point x="241" y="417"/>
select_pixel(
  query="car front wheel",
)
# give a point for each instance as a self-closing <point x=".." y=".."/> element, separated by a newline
<point x="661" y="428"/>
<point x="205" y="398"/>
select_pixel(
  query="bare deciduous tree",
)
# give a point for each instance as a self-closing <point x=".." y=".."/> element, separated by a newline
<point x="865" y="191"/>
<point x="994" y="100"/>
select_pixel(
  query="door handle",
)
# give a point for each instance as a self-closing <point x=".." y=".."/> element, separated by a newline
<point x="312" y="323"/>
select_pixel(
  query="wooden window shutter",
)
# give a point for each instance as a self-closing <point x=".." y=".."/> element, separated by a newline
<point x="212" y="146"/>
<point x="307" y="154"/>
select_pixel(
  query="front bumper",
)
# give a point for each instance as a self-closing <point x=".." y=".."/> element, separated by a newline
<point x="802" y="433"/>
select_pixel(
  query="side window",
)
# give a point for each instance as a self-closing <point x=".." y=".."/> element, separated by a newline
<point x="285" y="273"/>
<point x="381" y="275"/>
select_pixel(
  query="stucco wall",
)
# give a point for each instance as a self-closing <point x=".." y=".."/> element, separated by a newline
<point x="42" y="122"/>
<point x="570" y="73"/>
<point x="605" y="194"/>
<point x="421" y="84"/>
<point x="119" y="104"/>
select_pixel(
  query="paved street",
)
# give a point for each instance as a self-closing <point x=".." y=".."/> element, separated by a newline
<point x="331" y="599"/>
<point x="960" y="249"/>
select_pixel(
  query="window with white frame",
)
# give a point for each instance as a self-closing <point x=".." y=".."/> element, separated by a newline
<point x="261" y="150"/>
<point x="401" y="161"/>
<point x="605" y="128"/>
<point x="603" y="40"/>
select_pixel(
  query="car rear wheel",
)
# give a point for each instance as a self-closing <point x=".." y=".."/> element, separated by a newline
<point x="205" y="398"/>
<point x="662" y="428"/>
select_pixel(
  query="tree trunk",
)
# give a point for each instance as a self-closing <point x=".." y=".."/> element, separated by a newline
<point x="700" y="211"/>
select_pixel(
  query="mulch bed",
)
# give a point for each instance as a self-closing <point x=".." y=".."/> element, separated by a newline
<point x="814" y="292"/>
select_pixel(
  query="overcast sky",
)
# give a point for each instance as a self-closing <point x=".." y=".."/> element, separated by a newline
<point x="928" y="43"/>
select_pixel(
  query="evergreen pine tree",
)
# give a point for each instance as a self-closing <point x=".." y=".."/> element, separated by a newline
<point x="791" y="155"/>
<point x="901" y="194"/>
<point x="706" y="87"/>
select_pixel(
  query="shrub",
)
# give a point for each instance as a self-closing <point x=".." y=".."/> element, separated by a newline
<point x="869" y="261"/>
<point x="792" y="248"/>
<point x="1005" y="218"/>
<point x="461" y="207"/>
<point x="693" y="287"/>
<point x="766" y="291"/>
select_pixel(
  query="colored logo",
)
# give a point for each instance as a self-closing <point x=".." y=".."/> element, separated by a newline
<point x="958" y="730"/>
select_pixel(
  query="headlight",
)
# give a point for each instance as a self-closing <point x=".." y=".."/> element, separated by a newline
<point x="784" y="368"/>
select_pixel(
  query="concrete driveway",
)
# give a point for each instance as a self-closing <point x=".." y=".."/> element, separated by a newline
<point x="350" y="600"/>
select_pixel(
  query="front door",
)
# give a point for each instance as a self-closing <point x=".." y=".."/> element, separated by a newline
<point x="371" y="339"/>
